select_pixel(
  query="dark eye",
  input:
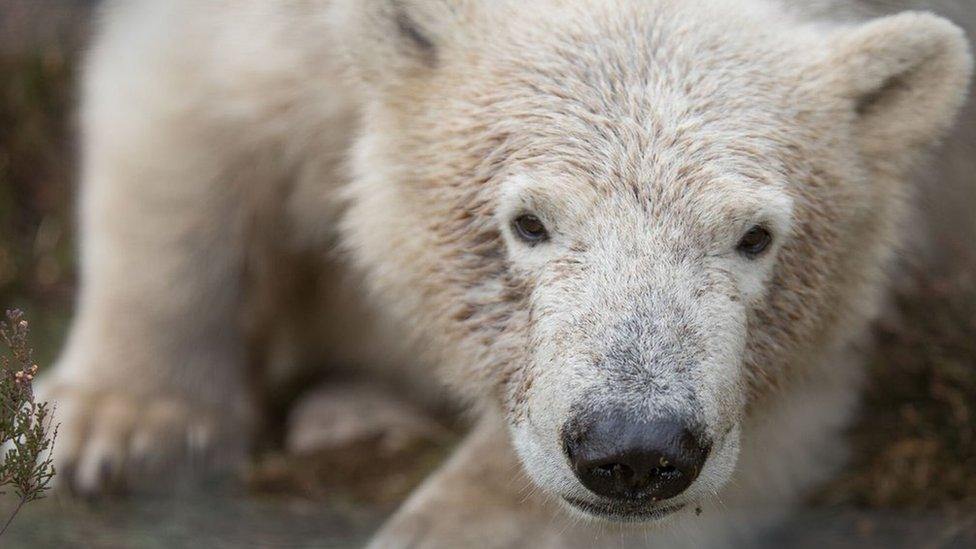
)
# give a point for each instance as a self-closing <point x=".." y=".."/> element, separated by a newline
<point x="755" y="241"/>
<point x="530" y="229"/>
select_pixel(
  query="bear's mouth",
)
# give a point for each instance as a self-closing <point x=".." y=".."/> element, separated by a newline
<point x="622" y="512"/>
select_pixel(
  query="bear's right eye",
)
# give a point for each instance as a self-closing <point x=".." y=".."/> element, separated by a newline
<point x="530" y="229"/>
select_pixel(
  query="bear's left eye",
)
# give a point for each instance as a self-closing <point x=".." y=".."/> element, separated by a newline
<point x="755" y="242"/>
<point x="530" y="229"/>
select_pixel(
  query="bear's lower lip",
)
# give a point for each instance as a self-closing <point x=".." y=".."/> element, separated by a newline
<point x="622" y="512"/>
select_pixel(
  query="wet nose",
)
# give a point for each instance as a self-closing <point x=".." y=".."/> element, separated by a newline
<point x="621" y="458"/>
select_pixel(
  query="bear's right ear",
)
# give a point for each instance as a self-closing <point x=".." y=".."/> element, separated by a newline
<point x="389" y="41"/>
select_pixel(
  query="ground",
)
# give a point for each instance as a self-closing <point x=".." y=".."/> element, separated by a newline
<point x="912" y="480"/>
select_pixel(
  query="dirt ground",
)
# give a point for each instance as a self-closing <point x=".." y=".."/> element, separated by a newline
<point x="911" y="482"/>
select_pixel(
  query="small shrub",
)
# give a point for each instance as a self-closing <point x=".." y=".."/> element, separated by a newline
<point x="26" y="431"/>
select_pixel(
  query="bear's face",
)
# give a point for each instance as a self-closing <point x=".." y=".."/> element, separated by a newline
<point x="626" y="224"/>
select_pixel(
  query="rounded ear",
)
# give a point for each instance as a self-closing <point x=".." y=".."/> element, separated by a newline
<point x="907" y="77"/>
<point x="388" y="41"/>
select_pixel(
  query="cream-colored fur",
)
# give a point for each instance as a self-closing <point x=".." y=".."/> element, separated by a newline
<point x="225" y="139"/>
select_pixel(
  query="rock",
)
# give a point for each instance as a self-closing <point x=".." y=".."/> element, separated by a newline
<point x="357" y="443"/>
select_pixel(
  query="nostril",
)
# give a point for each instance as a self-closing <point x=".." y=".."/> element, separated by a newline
<point x="611" y="469"/>
<point x="665" y="471"/>
<point x="615" y="471"/>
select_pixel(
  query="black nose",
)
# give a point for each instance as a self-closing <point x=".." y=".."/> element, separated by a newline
<point x="621" y="458"/>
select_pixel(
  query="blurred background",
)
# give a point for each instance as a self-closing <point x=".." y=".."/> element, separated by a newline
<point x="911" y="482"/>
<point x="40" y="43"/>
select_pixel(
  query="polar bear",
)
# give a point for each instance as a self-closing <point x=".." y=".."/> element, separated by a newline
<point x="644" y="239"/>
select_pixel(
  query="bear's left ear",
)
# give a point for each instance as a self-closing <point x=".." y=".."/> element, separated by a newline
<point x="906" y="77"/>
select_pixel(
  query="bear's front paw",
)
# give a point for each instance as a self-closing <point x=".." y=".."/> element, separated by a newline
<point x="113" y="441"/>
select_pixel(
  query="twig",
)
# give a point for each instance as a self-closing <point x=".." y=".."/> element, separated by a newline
<point x="12" y="515"/>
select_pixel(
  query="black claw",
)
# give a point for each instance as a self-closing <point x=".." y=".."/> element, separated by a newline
<point x="104" y="472"/>
<point x="66" y="474"/>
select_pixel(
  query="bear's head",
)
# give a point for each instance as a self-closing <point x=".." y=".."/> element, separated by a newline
<point x="623" y="225"/>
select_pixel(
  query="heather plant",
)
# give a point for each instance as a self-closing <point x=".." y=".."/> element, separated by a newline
<point x="26" y="430"/>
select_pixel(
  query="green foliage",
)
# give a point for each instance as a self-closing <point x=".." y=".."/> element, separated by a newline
<point x="26" y="430"/>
